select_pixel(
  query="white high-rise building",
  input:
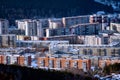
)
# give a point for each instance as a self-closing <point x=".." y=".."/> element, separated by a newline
<point x="4" y="24"/>
<point x="31" y="27"/>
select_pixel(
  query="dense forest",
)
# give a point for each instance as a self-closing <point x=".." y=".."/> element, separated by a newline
<point x="13" y="72"/>
<point x="114" y="68"/>
<point x="17" y="9"/>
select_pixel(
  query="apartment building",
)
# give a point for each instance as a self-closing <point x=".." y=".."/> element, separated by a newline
<point x="11" y="59"/>
<point x="93" y="40"/>
<point x="55" y="23"/>
<point x="16" y="59"/>
<point x="20" y="60"/>
<point x="106" y="62"/>
<point x="103" y="19"/>
<point x="17" y="31"/>
<point x="24" y="60"/>
<point x="7" y="40"/>
<point x="70" y="21"/>
<point x="57" y="32"/>
<point x="86" y="29"/>
<point x="115" y="38"/>
<point x="2" y="59"/>
<point x="63" y="63"/>
<point x="73" y="39"/>
<point x="79" y="29"/>
<point x="40" y="44"/>
<point x="28" y="60"/>
<point x="23" y="37"/>
<point x="115" y="27"/>
<point x="31" y="27"/>
<point x="99" y="50"/>
<point x="82" y="39"/>
<point x="4" y="25"/>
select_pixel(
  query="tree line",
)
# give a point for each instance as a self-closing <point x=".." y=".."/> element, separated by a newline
<point x="113" y="68"/>
<point x="15" y="72"/>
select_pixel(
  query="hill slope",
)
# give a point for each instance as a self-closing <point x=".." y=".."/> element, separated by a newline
<point x="13" y="72"/>
<point x="13" y="9"/>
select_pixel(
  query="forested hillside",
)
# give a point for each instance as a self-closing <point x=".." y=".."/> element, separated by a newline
<point x="16" y="9"/>
<point x="13" y="72"/>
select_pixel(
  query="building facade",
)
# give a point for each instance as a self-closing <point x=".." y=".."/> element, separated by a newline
<point x="55" y="23"/>
<point x="4" y="25"/>
<point x="115" y="27"/>
<point x="8" y="40"/>
<point x="80" y="29"/>
<point x="31" y="27"/>
<point x="107" y="62"/>
<point x="64" y="63"/>
<point x="103" y="19"/>
<point x="16" y="59"/>
<point x="70" y="21"/>
<point x="102" y="50"/>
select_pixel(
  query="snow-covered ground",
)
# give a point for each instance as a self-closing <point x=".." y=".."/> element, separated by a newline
<point x="113" y="3"/>
<point x="113" y="76"/>
<point x="34" y="64"/>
